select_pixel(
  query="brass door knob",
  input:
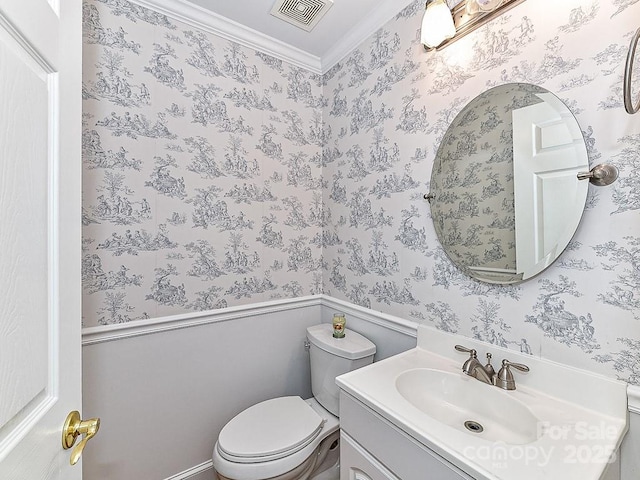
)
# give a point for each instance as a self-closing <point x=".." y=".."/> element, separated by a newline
<point x="74" y="426"/>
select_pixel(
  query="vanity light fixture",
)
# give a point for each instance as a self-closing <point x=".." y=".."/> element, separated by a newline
<point x="437" y="24"/>
<point x="443" y="25"/>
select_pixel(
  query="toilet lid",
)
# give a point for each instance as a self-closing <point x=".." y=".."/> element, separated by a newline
<point x="269" y="430"/>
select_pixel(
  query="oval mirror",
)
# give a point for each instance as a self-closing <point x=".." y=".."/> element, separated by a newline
<point x="505" y="198"/>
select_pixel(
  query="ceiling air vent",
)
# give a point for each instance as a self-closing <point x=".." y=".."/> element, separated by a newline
<point x="304" y="14"/>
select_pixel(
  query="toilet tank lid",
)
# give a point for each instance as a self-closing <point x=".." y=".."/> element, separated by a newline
<point x="352" y="346"/>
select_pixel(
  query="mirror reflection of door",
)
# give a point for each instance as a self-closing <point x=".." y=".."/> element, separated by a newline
<point x="506" y="197"/>
<point x="546" y="163"/>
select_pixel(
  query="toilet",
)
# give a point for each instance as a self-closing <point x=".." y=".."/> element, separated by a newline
<point x="288" y="438"/>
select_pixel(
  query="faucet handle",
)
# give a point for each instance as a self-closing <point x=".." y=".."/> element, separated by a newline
<point x="518" y="366"/>
<point x="471" y="351"/>
<point x="471" y="362"/>
<point x="505" y="379"/>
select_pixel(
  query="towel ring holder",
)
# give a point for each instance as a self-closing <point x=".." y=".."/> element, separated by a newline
<point x="628" y="70"/>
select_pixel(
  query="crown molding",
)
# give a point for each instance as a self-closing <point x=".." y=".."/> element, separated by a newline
<point x="374" y="20"/>
<point x="208" y="21"/>
<point x="211" y="22"/>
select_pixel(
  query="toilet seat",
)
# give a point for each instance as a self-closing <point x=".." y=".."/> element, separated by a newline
<point x="262" y="467"/>
<point x="269" y="430"/>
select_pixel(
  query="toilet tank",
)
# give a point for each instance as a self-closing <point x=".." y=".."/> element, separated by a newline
<point x="331" y="357"/>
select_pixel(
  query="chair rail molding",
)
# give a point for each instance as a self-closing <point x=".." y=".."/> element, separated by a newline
<point x="107" y="333"/>
<point x="633" y="395"/>
<point x="390" y="322"/>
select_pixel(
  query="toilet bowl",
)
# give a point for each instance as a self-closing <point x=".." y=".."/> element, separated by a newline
<point x="288" y="438"/>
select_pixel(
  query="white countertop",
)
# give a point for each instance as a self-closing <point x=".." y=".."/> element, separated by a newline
<point x="583" y="415"/>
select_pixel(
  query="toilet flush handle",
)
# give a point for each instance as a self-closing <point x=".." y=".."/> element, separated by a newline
<point x="307" y="345"/>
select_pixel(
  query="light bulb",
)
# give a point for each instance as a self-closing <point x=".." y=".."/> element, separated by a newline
<point x="437" y="24"/>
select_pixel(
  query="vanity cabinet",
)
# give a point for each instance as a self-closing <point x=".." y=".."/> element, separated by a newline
<point x="372" y="448"/>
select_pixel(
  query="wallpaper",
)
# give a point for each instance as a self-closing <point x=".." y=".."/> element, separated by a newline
<point x="215" y="175"/>
<point x="202" y="170"/>
<point x="389" y="106"/>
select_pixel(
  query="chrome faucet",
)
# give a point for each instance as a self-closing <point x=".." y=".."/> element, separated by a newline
<point x="486" y="373"/>
<point x="474" y="368"/>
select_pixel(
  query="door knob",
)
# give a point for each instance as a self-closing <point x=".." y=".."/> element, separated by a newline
<point x="74" y="426"/>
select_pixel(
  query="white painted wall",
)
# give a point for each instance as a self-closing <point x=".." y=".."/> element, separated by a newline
<point x="630" y="451"/>
<point x="163" y="397"/>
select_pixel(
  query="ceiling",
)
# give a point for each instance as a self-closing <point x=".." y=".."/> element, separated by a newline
<point x="346" y="24"/>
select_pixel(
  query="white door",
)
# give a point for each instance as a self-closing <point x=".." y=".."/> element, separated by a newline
<point x="40" y="217"/>
<point x="548" y="153"/>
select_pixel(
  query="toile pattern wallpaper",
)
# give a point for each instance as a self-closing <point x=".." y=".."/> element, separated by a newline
<point x="203" y="170"/>
<point x="215" y="175"/>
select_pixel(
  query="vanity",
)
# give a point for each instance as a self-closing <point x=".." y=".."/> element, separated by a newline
<point x="416" y="415"/>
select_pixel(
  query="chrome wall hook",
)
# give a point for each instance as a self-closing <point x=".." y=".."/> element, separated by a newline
<point x="600" y="175"/>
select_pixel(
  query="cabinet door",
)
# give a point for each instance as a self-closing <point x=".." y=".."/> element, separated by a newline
<point x="389" y="446"/>
<point x="357" y="464"/>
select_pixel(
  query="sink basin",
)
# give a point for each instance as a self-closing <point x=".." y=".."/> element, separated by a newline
<point x="469" y="405"/>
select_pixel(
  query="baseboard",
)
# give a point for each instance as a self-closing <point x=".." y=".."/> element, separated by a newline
<point x="193" y="471"/>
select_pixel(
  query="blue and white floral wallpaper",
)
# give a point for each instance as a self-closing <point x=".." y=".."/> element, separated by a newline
<point x="216" y="175"/>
